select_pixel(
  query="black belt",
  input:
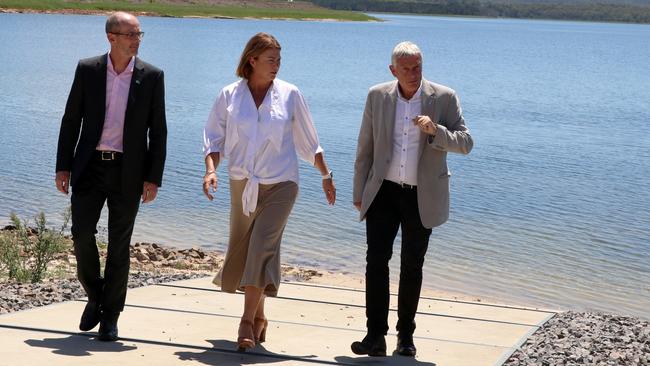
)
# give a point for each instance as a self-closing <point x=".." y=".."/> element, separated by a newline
<point x="401" y="185"/>
<point x="108" y="155"/>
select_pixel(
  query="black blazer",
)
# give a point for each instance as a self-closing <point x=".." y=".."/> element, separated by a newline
<point x="145" y="126"/>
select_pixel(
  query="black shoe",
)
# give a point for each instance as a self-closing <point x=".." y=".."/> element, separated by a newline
<point x="108" y="328"/>
<point x="405" y="346"/>
<point x="370" y="345"/>
<point x="90" y="317"/>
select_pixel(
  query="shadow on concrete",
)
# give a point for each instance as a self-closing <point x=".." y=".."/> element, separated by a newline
<point x="225" y="353"/>
<point x="78" y="345"/>
<point x="393" y="359"/>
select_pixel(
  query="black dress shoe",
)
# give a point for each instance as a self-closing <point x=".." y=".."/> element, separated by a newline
<point x="90" y="317"/>
<point x="374" y="345"/>
<point x="405" y="346"/>
<point x="108" y="328"/>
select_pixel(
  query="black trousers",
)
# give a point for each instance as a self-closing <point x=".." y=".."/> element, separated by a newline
<point x="101" y="183"/>
<point x="393" y="207"/>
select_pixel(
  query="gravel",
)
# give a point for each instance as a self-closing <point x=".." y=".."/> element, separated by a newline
<point x="583" y="338"/>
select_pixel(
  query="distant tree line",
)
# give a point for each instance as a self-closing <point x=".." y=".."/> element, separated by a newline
<point x="597" y="11"/>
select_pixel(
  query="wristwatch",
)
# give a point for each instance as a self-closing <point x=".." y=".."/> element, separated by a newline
<point x="329" y="175"/>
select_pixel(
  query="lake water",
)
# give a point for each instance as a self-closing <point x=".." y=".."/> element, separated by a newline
<point x="549" y="209"/>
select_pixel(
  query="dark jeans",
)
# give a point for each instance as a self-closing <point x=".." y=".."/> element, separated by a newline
<point x="393" y="207"/>
<point x="101" y="183"/>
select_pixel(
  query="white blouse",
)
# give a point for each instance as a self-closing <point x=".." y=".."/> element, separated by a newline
<point x="261" y="144"/>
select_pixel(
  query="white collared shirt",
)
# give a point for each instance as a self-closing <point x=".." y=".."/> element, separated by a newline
<point x="403" y="167"/>
<point x="261" y="145"/>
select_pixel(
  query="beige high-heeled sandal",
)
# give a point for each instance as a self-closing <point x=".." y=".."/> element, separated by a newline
<point x="259" y="329"/>
<point x="245" y="335"/>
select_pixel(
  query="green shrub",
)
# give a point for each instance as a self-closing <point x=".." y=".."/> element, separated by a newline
<point x="11" y="260"/>
<point x="25" y="252"/>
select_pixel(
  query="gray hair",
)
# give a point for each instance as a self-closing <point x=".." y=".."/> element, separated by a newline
<point x="115" y="19"/>
<point x="404" y="49"/>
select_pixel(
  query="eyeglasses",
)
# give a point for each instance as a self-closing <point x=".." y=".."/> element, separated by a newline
<point x="131" y="35"/>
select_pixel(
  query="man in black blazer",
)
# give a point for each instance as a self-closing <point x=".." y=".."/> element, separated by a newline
<point x="111" y="149"/>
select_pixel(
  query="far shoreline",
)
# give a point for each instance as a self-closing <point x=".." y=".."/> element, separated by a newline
<point x="312" y="16"/>
<point x="486" y="17"/>
<point x="303" y="19"/>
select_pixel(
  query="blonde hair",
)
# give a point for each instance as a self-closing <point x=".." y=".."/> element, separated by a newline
<point x="255" y="47"/>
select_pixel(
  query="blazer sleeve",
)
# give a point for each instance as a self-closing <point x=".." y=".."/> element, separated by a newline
<point x="453" y="136"/>
<point x="365" y="152"/>
<point x="157" y="151"/>
<point x="71" y="123"/>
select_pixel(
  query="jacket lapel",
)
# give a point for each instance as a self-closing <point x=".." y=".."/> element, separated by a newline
<point x="136" y="81"/>
<point x="100" y="90"/>
<point x="428" y="109"/>
<point x="390" y="106"/>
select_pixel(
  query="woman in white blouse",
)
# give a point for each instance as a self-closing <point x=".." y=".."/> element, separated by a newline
<point x="261" y="124"/>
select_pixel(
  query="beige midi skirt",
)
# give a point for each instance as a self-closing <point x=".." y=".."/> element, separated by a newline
<point x="253" y="256"/>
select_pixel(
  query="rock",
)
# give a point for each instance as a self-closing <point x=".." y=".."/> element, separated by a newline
<point x="616" y="355"/>
<point x="154" y="257"/>
<point x="185" y="263"/>
<point x="141" y="257"/>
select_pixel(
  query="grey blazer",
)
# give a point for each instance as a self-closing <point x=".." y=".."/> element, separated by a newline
<point x="374" y="148"/>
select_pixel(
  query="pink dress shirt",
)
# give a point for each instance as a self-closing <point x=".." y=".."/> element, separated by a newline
<point x="117" y="96"/>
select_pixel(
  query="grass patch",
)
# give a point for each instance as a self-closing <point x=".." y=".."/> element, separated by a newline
<point x="185" y="9"/>
<point x="101" y="244"/>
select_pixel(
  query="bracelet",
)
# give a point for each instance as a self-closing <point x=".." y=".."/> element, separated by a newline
<point x="329" y="175"/>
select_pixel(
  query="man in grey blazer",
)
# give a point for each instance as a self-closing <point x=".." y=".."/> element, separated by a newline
<point x="401" y="179"/>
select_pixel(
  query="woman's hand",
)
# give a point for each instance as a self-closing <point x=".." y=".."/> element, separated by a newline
<point x="209" y="180"/>
<point x="326" y="174"/>
<point x="330" y="190"/>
